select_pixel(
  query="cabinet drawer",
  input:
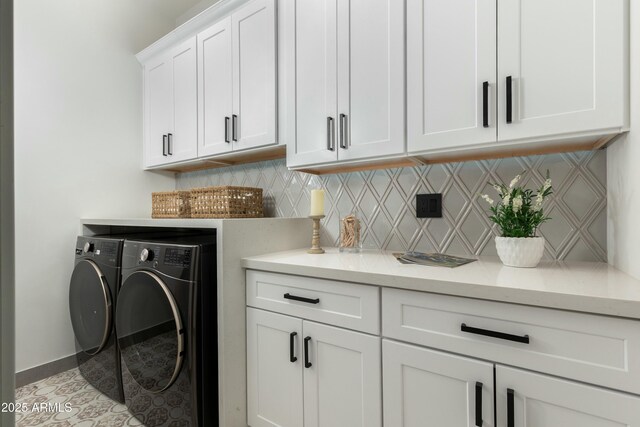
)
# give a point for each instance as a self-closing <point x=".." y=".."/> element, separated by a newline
<point x="596" y="349"/>
<point x="337" y="303"/>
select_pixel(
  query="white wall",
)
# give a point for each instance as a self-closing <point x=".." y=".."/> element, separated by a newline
<point x="623" y="174"/>
<point x="78" y="115"/>
<point x="195" y="10"/>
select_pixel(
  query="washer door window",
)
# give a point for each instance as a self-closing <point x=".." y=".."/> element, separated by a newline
<point x="149" y="331"/>
<point x="90" y="307"/>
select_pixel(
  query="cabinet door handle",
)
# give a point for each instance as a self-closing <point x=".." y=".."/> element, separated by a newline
<point x="170" y="144"/>
<point x="524" y="339"/>
<point x="509" y="92"/>
<point x="343" y="132"/>
<point x="485" y="104"/>
<point x="307" y="364"/>
<point x="234" y="130"/>
<point x="478" y="404"/>
<point x="226" y="130"/>
<point x="510" y="410"/>
<point x="302" y="299"/>
<point x="292" y="338"/>
<point x="164" y="145"/>
<point x="331" y="141"/>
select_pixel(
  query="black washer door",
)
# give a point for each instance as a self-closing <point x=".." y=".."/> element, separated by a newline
<point x="90" y="307"/>
<point x="149" y="331"/>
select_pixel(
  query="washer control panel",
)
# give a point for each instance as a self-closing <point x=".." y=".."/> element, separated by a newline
<point x="177" y="256"/>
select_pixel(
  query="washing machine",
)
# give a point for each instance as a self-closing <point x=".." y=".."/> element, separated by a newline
<point x="166" y="323"/>
<point x="92" y="295"/>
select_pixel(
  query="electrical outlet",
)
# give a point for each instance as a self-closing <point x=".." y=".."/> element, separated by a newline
<point x="429" y="205"/>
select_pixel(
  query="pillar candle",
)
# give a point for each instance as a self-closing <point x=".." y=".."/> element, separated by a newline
<point x="317" y="202"/>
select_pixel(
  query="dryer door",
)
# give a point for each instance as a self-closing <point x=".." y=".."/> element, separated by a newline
<point x="90" y="307"/>
<point x="149" y="330"/>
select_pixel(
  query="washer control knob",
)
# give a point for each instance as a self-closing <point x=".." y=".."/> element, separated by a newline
<point x="146" y="255"/>
<point x="88" y="247"/>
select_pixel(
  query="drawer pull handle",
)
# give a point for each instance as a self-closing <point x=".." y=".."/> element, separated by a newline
<point x="510" y="411"/>
<point x="501" y="335"/>
<point x="478" y="404"/>
<point x="292" y="337"/>
<point x="302" y="299"/>
<point x="307" y="364"/>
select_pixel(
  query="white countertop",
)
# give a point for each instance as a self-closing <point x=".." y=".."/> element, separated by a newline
<point x="580" y="286"/>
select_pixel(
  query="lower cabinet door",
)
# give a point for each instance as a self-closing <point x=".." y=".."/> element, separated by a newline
<point x="525" y="399"/>
<point x="342" y="378"/>
<point x="424" y="387"/>
<point x="274" y="370"/>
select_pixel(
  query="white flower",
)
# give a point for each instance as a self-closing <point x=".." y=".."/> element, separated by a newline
<point x="514" y="181"/>
<point x="498" y="189"/>
<point x="506" y="199"/>
<point x="538" y="203"/>
<point x="487" y="198"/>
<point x="517" y="204"/>
<point x="547" y="185"/>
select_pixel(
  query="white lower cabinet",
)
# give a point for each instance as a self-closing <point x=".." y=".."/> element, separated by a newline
<point x="427" y="387"/>
<point x="302" y="373"/>
<point x="525" y="399"/>
<point x="274" y="379"/>
<point x="441" y="361"/>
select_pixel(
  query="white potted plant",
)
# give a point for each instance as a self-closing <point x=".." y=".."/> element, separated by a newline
<point x="518" y="214"/>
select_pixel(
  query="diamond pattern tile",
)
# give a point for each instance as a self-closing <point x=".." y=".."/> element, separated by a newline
<point x="385" y="201"/>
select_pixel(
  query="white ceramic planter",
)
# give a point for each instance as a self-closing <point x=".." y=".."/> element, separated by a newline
<point x="520" y="251"/>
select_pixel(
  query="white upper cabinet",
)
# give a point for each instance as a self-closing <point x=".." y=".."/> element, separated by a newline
<point x="370" y="78"/>
<point x="567" y="62"/>
<point x="349" y="81"/>
<point x="210" y="85"/>
<point x="237" y="80"/>
<point x="171" y="105"/>
<point x="182" y="141"/>
<point x="484" y="73"/>
<point x="254" y="75"/>
<point x="316" y="85"/>
<point x="158" y="110"/>
<point x="451" y="73"/>
<point x="215" y="80"/>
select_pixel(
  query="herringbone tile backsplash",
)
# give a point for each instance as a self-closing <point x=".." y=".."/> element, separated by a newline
<point x="385" y="200"/>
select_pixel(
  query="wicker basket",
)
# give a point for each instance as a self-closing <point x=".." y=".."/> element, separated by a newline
<point x="170" y="204"/>
<point x="226" y="202"/>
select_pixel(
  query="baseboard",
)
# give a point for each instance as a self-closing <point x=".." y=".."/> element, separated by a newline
<point x="41" y="372"/>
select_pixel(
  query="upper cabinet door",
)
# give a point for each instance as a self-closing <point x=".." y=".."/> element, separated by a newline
<point x="370" y="78"/>
<point x="254" y="75"/>
<point x="342" y="379"/>
<point x="182" y="141"/>
<point x="158" y="109"/>
<point x="215" y="82"/>
<point x="534" y="400"/>
<point x="314" y="136"/>
<point x="451" y="73"/>
<point x="566" y="62"/>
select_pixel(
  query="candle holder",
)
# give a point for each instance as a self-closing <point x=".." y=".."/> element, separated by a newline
<point x="315" y="239"/>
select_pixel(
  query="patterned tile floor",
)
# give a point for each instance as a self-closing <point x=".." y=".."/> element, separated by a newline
<point x="88" y="407"/>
